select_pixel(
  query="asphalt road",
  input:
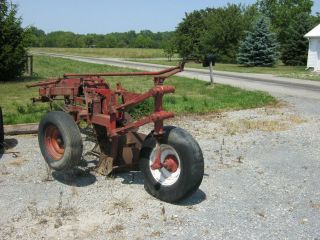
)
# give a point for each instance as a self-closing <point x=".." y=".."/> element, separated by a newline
<point x="264" y="82"/>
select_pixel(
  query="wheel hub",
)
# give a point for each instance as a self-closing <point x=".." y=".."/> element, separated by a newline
<point x="171" y="163"/>
<point x="54" y="142"/>
<point x="164" y="163"/>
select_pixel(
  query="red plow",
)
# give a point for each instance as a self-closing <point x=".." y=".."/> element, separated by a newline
<point x="170" y="159"/>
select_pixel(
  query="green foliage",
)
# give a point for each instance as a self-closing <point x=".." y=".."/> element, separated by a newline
<point x="28" y="113"/>
<point x="285" y="15"/>
<point x="225" y="28"/>
<point x="219" y="31"/>
<point x="36" y="37"/>
<point x="188" y="35"/>
<point x="61" y="39"/>
<point x="143" y="41"/>
<point x="259" y="47"/>
<point x="143" y="109"/>
<point x="12" y="43"/>
<point x="131" y="39"/>
<point x="314" y="20"/>
<point x="215" y="31"/>
<point x="295" y="49"/>
<point x="169" y="47"/>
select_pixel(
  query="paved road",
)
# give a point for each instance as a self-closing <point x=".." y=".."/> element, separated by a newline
<point x="264" y="82"/>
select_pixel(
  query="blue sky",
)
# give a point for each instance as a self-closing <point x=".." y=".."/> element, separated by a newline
<point x="105" y="16"/>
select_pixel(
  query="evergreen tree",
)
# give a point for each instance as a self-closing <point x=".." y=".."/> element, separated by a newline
<point x="295" y="50"/>
<point x="259" y="48"/>
<point x="12" y="43"/>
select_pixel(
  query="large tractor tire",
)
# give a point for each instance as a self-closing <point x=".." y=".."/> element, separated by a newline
<point x="182" y="165"/>
<point x="1" y="129"/>
<point x="60" y="141"/>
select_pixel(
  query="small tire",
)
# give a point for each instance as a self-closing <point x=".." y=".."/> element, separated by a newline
<point x="60" y="141"/>
<point x="184" y="176"/>
<point x="1" y="128"/>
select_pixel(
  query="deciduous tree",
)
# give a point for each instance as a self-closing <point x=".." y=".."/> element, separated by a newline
<point x="295" y="48"/>
<point x="285" y="16"/>
<point x="188" y="33"/>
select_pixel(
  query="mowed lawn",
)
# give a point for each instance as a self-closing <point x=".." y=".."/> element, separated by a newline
<point x="191" y="96"/>
<point x="280" y="70"/>
<point x="105" y="52"/>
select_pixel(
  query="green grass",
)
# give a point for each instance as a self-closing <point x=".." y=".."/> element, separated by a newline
<point x="279" y="70"/>
<point x="192" y="96"/>
<point x="105" y="52"/>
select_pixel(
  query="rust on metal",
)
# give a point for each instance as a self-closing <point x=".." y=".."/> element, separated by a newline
<point x="88" y="97"/>
<point x="54" y="142"/>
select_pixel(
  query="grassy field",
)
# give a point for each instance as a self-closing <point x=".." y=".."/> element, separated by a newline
<point x="105" y="52"/>
<point x="279" y="70"/>
<point x="192" y="96"/>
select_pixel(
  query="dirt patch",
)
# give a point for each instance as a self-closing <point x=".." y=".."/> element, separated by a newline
<point x="280" y="123"/>
<point x="17" y="162"/>
<point x="116" y="228"/>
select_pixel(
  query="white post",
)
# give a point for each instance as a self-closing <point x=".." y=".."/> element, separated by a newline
<point x="211" y="73"/>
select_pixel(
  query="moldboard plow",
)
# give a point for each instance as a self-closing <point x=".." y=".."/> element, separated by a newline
<point x="170" y="159"/>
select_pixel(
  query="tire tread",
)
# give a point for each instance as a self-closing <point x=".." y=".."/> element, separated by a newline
<point x="1" y="127"/>
<point x="71" y="132"/>
<point x="195" y="169"/>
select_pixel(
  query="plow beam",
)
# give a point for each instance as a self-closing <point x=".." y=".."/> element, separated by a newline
<point x="155" y="117"/>
<point x="158" y="90"/>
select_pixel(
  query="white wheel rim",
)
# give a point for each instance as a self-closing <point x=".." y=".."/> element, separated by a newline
<point x="162" y="175"/>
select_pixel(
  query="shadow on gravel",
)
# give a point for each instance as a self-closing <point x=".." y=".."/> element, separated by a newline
<point x="198" y="197"/>
<point x="75" y="177"/>
<point x="137" y="178"/>
<point x="133" y="177"/>
<point x="7" y="144"/>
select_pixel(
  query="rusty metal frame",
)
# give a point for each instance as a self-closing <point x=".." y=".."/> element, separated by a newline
<point x="88" y="97"/>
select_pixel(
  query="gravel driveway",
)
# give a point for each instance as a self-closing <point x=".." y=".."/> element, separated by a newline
<point x="262" y="169"/>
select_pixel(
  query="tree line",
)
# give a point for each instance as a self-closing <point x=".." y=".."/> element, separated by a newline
<point x="218" y="31"/>
<point x="269" y="29"/>
<point x="130" y="39"/>
<point x="221" y="31"/>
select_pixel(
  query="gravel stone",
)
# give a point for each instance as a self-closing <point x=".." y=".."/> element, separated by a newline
<point x="261" y="181"/>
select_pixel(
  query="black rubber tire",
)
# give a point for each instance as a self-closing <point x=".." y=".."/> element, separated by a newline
<point x="1" y="127"/>
<point x="71" y="137"/>
<point x="192" y="165"/>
